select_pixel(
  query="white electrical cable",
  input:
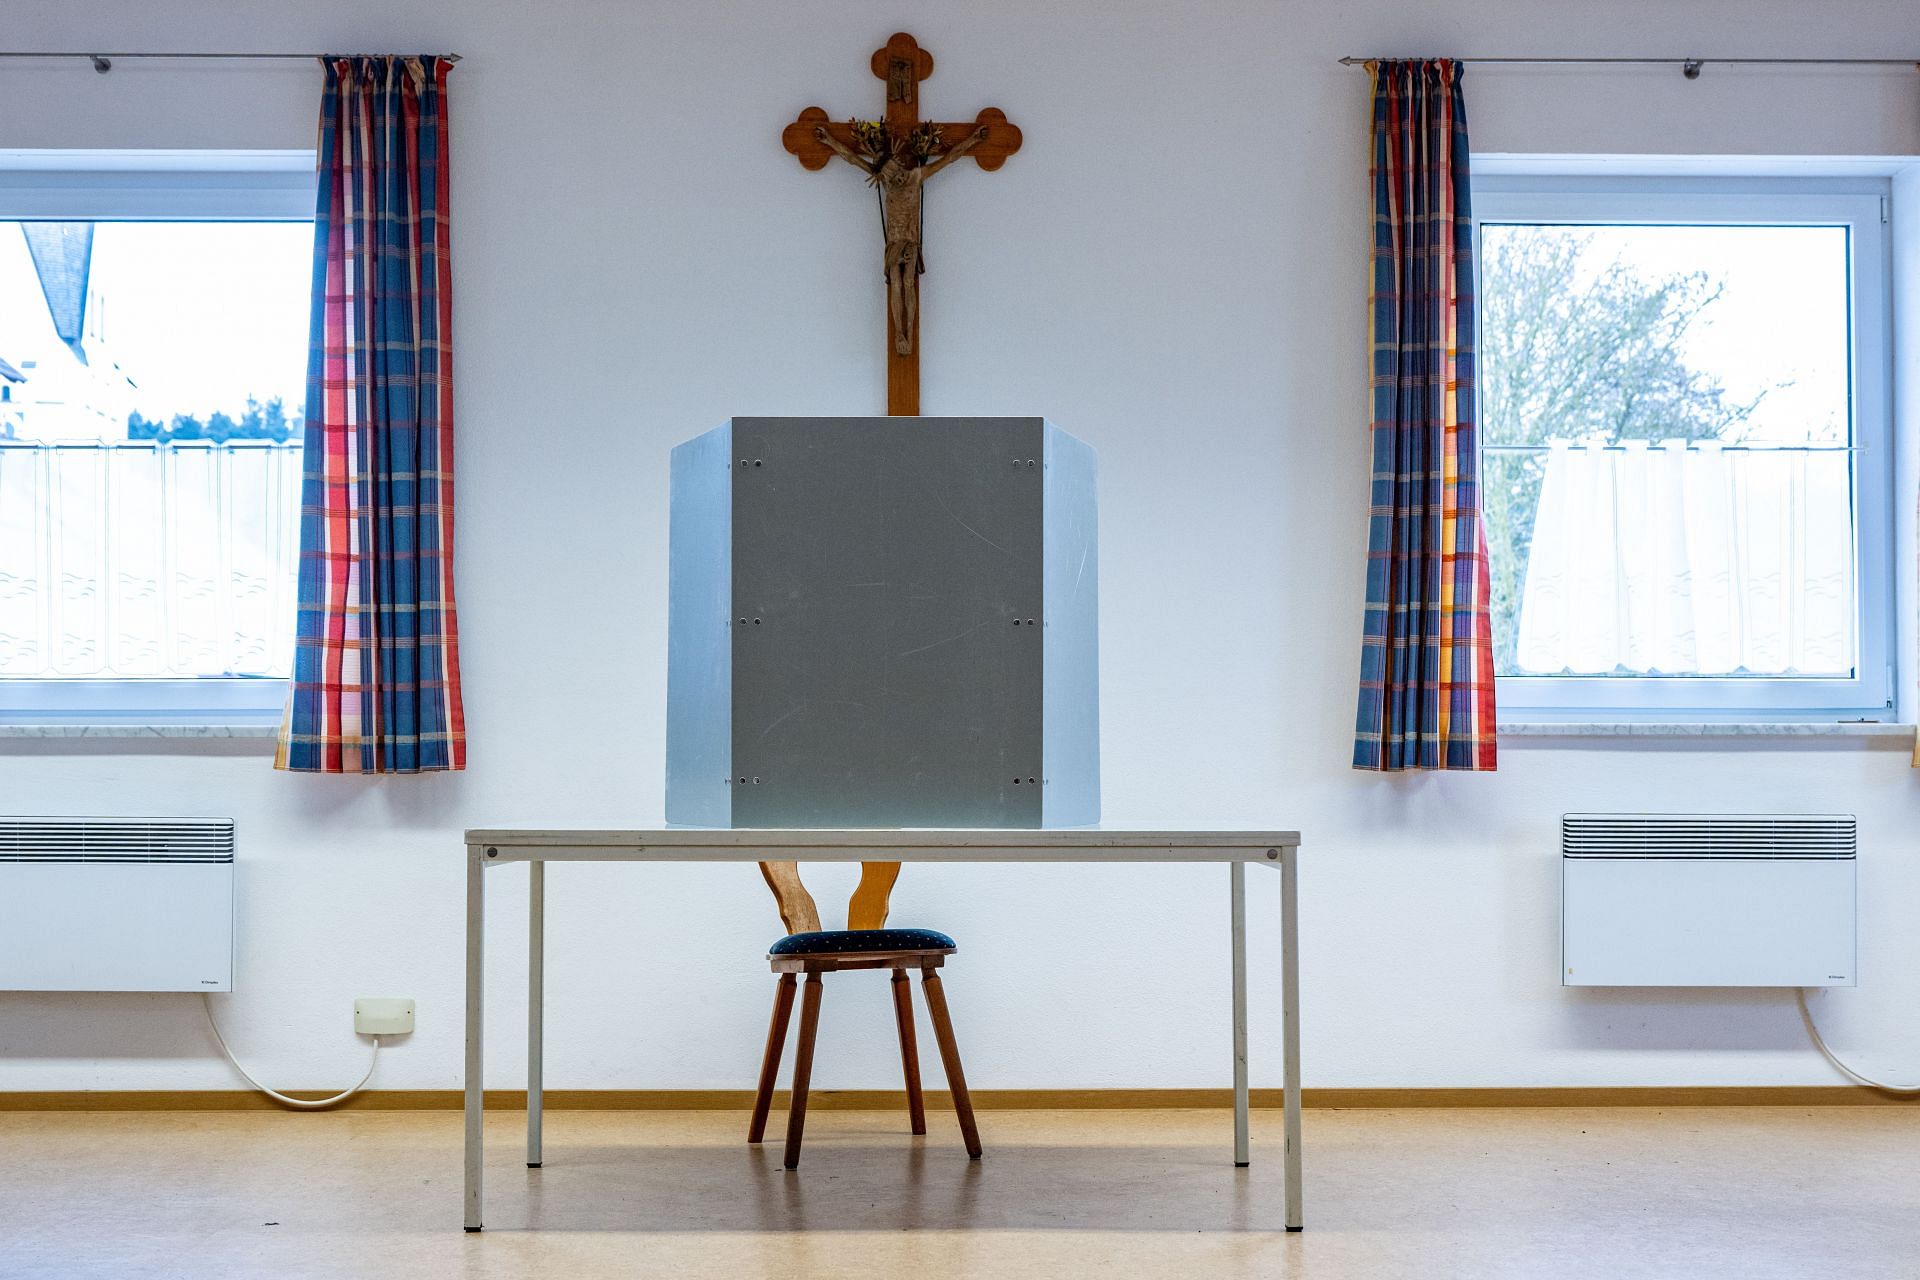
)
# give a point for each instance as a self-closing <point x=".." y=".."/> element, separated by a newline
<point x="303" y="1104"/>
<point x="1806" y="1016"/>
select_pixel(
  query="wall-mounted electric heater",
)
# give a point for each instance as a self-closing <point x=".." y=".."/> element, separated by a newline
<point x="116" y="904"/>
<point x="1720" y="900"/>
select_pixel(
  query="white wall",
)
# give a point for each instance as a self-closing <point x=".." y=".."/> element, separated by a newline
<point x="1172" y="267"/>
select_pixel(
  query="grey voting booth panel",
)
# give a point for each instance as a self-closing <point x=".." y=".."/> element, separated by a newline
<point x="883" y="622"/>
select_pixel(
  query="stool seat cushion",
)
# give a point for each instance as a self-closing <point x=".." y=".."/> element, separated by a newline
<point x="861" y="940"/>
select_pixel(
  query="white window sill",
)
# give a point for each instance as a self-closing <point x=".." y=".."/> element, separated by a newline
<point x="1675" y="729"/>
<point x="145" y="708"/>
<point x="266" y="731"/>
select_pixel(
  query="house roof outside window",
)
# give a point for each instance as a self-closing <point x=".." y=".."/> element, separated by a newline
<point x="63" y="258"/>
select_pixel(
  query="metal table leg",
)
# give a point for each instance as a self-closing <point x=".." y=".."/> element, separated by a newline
<point x="1241" y="1155"/>
<point x="1290" y="1025"/>
<point x="536" y="1004"/>
<point x="476" y="949"/>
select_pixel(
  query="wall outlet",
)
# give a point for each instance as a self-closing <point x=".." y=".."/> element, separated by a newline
<point x="382" y="1016"/>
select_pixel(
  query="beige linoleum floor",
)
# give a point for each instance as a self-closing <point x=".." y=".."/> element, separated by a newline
<point x="1811" y="1194"/>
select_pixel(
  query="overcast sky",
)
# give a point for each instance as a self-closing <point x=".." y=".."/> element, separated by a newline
<point x="200" y="315"/>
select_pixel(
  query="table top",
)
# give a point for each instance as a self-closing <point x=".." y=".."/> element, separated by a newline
<point x="912" y="844"/>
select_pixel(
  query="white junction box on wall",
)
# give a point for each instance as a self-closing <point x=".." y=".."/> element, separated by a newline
<point x="1714" y="900"/>
<point x="382" y="1016"/>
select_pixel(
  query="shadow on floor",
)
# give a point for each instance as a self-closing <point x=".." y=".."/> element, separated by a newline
<point x="903" y="1185"/>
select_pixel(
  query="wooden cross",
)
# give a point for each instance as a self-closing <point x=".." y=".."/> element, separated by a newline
<point x="898" y="155"/>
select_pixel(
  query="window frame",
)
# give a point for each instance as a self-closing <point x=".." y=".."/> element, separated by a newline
<point x="1863" y="206"/>
<point x="152" y="186"/>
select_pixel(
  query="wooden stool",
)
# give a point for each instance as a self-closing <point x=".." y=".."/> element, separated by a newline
<point x="864" y="944"/>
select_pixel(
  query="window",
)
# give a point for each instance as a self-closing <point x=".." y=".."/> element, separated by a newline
<point x="1684" y="431"/>
<point x="153" y="334"/>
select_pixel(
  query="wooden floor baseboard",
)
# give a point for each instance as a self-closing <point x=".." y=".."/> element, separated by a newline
<point x="984" y="1099"/>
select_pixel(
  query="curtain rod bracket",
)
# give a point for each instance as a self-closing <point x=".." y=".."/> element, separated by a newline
<point x="1690" y="68"/>
<point x="100" y="64"/>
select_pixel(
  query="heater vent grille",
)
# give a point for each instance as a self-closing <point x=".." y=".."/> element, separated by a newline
<point x="1729" y="837"/>
<point x="111" y="840"/>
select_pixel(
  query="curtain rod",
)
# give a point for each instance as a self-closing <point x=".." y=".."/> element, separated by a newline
<point x="1689" y="67"/>
<point x="1653" y="446"/>
<point x="103" y="62"/>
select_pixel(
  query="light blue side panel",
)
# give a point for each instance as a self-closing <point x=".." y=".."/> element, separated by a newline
<point x="1070" y="707"/>
<point x="699" y="632"/>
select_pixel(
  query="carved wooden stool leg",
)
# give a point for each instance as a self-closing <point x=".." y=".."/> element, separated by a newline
<point x="802" y="1068"/>
<point x="950" y="1058"/>
<point x="770" y="1065"/>
<point x="909" y="1048"/>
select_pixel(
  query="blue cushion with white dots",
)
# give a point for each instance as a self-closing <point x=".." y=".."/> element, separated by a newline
<point x="811" y="944"/>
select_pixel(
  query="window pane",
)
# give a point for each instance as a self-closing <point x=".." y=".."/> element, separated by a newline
<point x="151" y="384"/>
<point x="1667" y="422"/>
<point x="1737" y="334"/>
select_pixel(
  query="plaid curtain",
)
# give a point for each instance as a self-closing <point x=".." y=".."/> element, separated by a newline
<point x="376" y="681"/>
<point x="1426" y="675"/>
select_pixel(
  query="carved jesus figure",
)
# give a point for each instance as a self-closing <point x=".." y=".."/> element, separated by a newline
<point x="899" y="168"/>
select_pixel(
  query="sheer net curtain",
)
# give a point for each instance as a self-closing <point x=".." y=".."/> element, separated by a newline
<point x="1692" y="560"/>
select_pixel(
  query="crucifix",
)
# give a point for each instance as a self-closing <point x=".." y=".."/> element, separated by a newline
<point x="898" y="154"/>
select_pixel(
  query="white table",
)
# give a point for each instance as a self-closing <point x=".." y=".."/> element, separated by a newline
<point x="489" y="848"/>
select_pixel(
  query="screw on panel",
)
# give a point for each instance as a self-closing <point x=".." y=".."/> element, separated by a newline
<point x="1691" y="68"/>
<point x="1273" y="853"/>
<point x="493" y="853"/>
